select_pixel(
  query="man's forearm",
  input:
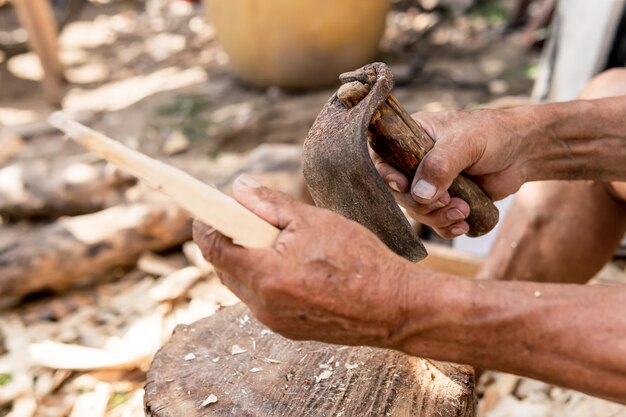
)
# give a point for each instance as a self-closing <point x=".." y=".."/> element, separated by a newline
<point x="568" y="335"/>
<point x="581" y="139"/>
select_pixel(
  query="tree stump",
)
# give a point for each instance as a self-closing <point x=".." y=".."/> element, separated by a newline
<point x="230" y="364"/>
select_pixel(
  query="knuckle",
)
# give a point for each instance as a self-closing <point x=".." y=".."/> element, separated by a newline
<point x="212" y="247"/>
<point x="423" y="211"/>
<point x="438" y="165"/>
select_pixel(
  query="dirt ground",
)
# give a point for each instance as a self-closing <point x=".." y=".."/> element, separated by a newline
<point x="162" y="84"/>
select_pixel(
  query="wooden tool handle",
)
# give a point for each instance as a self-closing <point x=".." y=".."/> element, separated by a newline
<point x="402" y="143"/>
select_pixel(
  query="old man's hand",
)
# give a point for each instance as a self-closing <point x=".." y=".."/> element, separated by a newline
<point x="326" y="278"/>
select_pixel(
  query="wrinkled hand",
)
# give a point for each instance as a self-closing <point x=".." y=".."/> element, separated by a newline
<point x="326" y="278"/>
<point x="484" y="143"/>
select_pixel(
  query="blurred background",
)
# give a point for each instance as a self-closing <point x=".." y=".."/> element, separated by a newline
<point x="90" y="258"/>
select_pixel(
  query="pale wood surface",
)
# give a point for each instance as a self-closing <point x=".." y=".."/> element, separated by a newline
<point x="452" y="261"/>
<point x="205" y="203"/>
<point x="278" y="377"/>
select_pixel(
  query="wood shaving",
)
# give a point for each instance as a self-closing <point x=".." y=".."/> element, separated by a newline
<point x="211" y="399"/>
<point x="323" y="376"/>
<point x="236" y="350"/>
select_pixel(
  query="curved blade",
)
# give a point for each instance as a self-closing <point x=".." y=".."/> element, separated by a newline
<point x="341" y="176"/>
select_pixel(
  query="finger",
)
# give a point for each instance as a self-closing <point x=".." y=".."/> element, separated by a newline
<point x="413" y="207"/>
<point x="224" y="255"/>
<point x="237" y="287"/>
<point x="454" y="230"/>
<point x="448" y="216"/>
<point x="394" y="179"/>
<point x="272" y="206"/>
<point x="457" y="210"/>
<point x="441" y="165"/>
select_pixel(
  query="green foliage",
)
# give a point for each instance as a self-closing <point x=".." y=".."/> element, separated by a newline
<point x="118" y="398"/>
<point x="531" y="71"/>
<point x="185" y="106"/>
<point x="185" y="113"/>
<point x="491" y="10"/>
<point x="5" y="379"/>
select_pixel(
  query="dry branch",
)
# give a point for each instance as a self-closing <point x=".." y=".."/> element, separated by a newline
<point x="45" y="188"/>
<point x="77" y="248"/>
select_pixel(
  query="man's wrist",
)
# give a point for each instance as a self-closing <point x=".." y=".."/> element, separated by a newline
<point x="580" y="139"/>
<point x="434" y="304"/>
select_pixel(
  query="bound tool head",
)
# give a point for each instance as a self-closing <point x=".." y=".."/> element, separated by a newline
<point x="339" y="171"/>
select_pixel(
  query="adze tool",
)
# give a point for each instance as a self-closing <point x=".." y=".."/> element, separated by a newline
<point x="341" y="176"/>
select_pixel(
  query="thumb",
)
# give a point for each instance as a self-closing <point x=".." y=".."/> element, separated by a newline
<point x="441" y="165"/>
<point x="272" y="206"/>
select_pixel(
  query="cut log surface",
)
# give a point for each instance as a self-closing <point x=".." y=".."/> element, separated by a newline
<point x="229" y="364"/>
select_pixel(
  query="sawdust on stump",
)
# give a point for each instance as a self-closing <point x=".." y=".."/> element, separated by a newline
<point x="230" y="364"/>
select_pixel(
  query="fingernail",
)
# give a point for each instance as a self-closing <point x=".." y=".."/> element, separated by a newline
<point x="458" y="231"/>
<point x="425" y="190"/>
<point x="394" y="186"/>
<point x="454" y="214"/>
<point x="247" y="181"/>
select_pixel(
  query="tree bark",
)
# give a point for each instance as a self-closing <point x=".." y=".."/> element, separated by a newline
<point x="79" y="248"/>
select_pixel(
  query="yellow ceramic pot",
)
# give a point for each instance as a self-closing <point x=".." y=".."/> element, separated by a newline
<point x="298" y="43"/>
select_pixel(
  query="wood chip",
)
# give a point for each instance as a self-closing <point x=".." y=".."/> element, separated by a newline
<point x="153" y="264"/>
<point x="176" y="284"/>
<point x="211" y="399"/>
<point x="25" y="406"/>
<point x="9" y="146"/>
<point x="323" y="376"/>
<point x="189" y="357"/>
<point x="49" y="381"/>
<point x="177" y="142"/>
<point x="194" y="255"/>
<point x="236" y="350"/>
<point x="137" y="346"/>
<point x="93" y="403"/>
